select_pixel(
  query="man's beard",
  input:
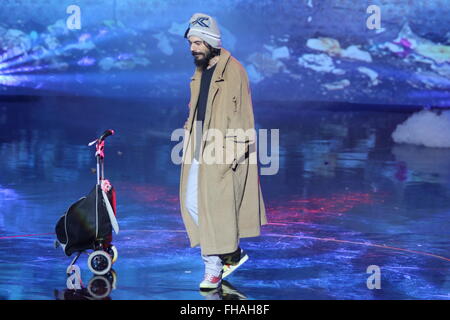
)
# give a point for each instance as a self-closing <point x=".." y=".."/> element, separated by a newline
<point x="203" y="62"/>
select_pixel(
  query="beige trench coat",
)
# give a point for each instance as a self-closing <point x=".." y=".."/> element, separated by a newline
<point x="230" y="201"/>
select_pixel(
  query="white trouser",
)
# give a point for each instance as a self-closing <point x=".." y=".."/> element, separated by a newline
<point x="213" y="263"/>
<point x="192" y="191"/>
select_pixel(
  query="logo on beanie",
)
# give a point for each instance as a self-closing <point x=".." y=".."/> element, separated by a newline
<point x="201" y="22"/>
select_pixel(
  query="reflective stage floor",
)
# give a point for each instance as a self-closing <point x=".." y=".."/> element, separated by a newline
<point x="345" y="198"/>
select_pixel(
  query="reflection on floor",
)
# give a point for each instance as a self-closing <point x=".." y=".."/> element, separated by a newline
<point x="345" y="198"/>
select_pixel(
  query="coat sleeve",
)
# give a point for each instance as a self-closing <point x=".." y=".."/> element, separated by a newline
<point x="242" y="122"/>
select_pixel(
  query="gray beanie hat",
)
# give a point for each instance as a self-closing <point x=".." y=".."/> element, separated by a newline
<point x="206" y="28"/>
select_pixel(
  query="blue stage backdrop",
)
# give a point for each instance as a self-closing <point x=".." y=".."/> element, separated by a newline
<point x="293" y="50"/>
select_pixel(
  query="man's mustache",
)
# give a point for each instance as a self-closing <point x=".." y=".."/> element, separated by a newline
<point x="197" y="54"/>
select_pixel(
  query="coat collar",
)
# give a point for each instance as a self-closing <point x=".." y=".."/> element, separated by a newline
<point x="220" y="67"/>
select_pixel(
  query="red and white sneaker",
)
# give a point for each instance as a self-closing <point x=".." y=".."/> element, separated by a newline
<point x="211" y="282"/>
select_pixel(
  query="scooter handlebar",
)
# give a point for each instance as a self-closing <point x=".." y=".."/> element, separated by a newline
<point x="106" y="134"/>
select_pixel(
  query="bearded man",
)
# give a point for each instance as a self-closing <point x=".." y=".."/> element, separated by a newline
<point x="221" y="201"/>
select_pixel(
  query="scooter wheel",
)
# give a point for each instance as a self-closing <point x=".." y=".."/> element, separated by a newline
<point x="99" y="262"/>
<point x="112" y="278"/>
<point x="99" y="287"/>
<point x="112" y="251"/>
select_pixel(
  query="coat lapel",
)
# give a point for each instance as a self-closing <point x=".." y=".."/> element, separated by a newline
<point x="195" y="90"/>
